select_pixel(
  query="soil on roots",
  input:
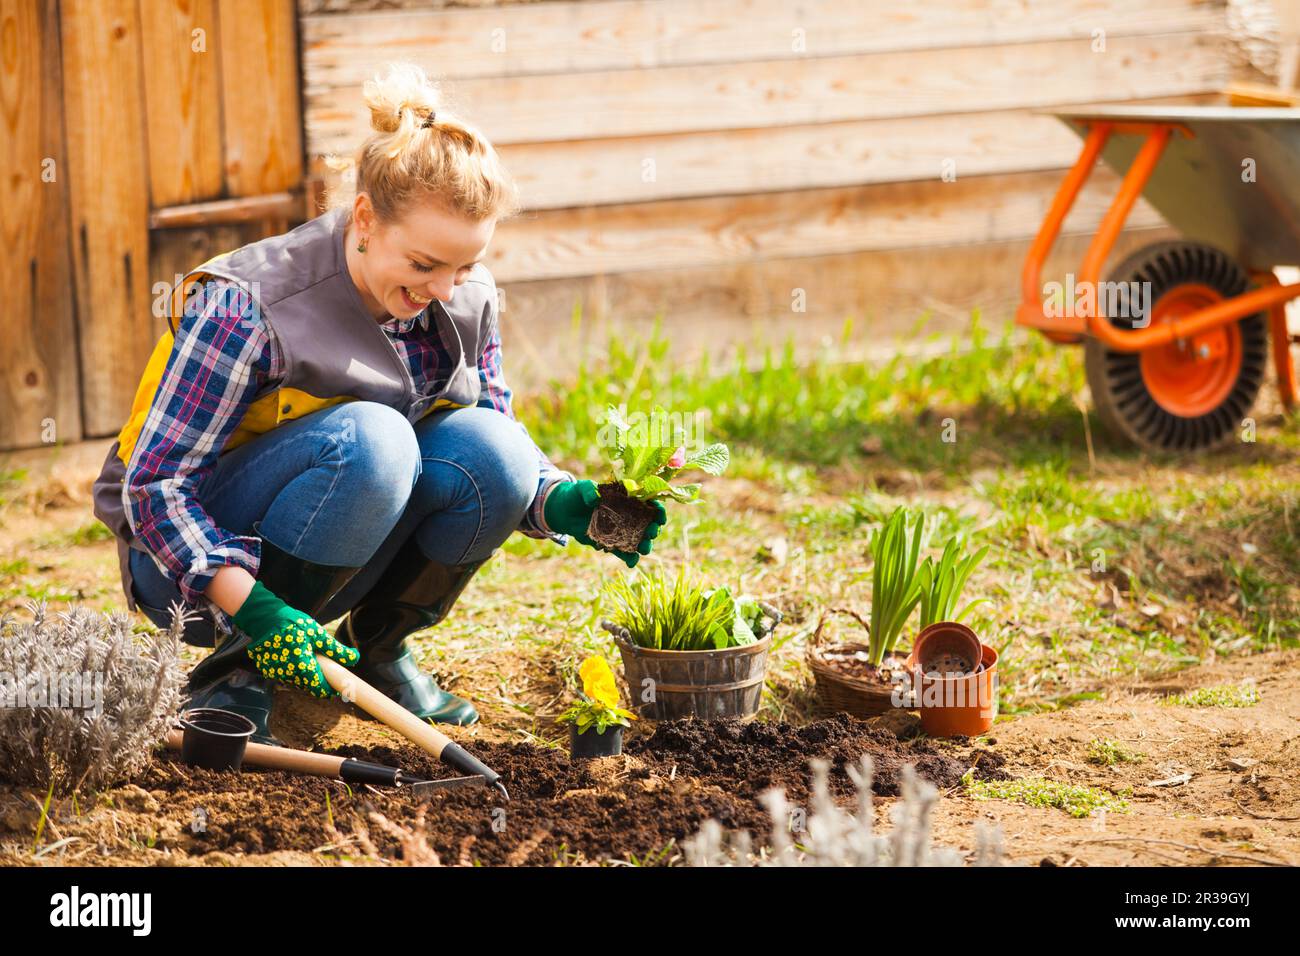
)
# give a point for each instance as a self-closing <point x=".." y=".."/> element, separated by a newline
<point x="619" y="521"/>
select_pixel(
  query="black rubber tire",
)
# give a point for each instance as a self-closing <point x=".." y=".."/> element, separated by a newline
<point x="1119" y="393"/>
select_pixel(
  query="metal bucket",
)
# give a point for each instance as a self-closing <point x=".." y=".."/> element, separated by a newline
<point x="706" y="684"/>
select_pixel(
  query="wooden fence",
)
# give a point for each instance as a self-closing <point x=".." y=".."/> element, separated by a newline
<point x="127" y="128"/>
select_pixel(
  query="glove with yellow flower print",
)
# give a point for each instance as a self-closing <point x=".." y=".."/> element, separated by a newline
<point x="284" y="642"/>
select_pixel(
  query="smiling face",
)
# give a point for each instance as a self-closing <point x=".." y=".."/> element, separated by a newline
<point x="410" y="261"/>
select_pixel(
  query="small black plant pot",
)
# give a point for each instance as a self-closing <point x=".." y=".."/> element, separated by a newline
<point x="592" y="744"/>
<point x="215" y="739"/>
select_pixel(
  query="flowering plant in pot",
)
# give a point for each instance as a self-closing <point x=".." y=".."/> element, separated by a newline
<point x="596" y="710"/>
<point x="645" y="458"/>
<point x="689" y="649"/>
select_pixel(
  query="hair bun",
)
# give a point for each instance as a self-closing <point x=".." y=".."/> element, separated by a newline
<point x="405" y="90"/>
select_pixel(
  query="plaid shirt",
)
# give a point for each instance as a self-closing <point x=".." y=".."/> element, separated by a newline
<point x="223" y="358"/>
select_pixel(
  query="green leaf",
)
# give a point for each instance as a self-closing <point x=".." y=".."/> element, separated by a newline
<point x="750" y="613"/>
<point x="668" y="612"/>
<point x="942" y="583"/>
<point x="645" y="453"/>
<point x="684" y="493"/>
<point x="712" y="460"/>
<point x="619" y="426"/>
<point x="741" y="633"/>
<point x="895" y="580"/>
<point x="653" y="486"/>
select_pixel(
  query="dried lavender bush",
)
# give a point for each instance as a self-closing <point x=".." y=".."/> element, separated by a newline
<point x="835" y="837"/>
<point x="142" y="682"/>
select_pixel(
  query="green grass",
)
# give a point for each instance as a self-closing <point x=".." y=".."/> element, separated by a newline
<point x="1075" y="800"/>
<point x="49" y="593"/>
<point x="14" y="567"/>
<point x="92" y="532"/>
<point x="1212" y="539"/>
<point x="1108" y="753"/>
<point x="10" y="479"/>
<point x="1010" y="395"/>
<point x="1225" y="695"/>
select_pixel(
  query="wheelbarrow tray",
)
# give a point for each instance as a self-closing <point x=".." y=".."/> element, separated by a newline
<point x="1199" y="185"/>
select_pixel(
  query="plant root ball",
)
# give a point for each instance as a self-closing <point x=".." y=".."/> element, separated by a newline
<point x="619" y="521"/>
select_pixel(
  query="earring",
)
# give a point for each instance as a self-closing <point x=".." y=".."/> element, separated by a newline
<point x="361" y="246"/>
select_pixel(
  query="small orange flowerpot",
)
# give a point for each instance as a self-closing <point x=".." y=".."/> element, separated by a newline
<point x="947" y="647"/>
<point x="964" y="705"/>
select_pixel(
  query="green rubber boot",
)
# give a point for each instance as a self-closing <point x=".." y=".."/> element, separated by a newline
<point x="414" y="593"/>
<point x="226" y="678"/>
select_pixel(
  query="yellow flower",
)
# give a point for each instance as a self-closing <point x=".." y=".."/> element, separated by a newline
<point x="598" y="681"/>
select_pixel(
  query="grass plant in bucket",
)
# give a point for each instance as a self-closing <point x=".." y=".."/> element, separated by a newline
<point x="645" y="458"/>
<point x="595" y="720"/>
<point x="690" y="650"/>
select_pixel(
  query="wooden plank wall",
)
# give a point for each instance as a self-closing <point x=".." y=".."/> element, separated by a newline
<point x="39" y="385"/>
<point x="704" y="158"/>
<point x="143" y="106"/>
<point x="104" y="114"/>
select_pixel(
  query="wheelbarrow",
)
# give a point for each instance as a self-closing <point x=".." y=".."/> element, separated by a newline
<point x="1177" y="338"/>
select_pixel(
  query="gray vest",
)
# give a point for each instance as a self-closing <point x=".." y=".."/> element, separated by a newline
<point x="330" y="344"/>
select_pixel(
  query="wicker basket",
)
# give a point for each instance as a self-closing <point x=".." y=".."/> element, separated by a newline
<point x="837" y="691"/>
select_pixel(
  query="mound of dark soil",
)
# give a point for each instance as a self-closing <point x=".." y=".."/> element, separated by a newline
<point x="638" y="805"/>
<point x="754" y="756"/>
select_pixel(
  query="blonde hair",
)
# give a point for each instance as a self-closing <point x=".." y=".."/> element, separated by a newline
<point x="419" y="148"/>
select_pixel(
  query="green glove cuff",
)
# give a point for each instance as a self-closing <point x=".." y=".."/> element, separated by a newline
<point x="569" y="506"/>
<point x="260" y="611"/>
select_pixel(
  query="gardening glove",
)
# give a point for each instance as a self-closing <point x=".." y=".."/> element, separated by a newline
<point x="285" y="641"/>
<point x="568" y="511"/>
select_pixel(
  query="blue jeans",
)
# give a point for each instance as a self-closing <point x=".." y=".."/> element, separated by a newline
<point x="348" y="485"/>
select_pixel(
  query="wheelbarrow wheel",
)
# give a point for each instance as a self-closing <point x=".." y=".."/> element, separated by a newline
<point x="1185" y="396"/>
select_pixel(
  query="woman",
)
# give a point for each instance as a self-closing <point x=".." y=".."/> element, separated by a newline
<point x="325" y="430"/>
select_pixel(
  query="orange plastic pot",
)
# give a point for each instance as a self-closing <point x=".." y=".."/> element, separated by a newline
<point x="946" y="643"/>
<point x="961" y="706"/>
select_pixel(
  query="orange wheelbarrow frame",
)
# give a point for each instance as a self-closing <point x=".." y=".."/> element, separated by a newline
<point x="1270" y="296"/>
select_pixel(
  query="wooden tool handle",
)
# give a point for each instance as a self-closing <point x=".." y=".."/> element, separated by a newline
<point x="384" y="709"/>
<point x="278" y="758"/>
